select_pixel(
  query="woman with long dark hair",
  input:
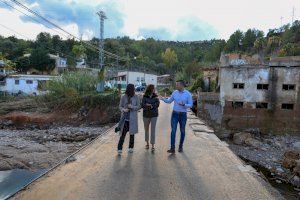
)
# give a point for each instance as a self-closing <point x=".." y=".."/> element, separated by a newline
<point x="129" y="105"/>
<point x="150" y="104"/>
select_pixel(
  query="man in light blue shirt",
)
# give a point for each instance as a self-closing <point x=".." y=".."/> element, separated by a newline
<point x="182" y="101"/>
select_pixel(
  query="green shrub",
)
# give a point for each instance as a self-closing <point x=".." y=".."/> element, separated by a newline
<point x="213" y="86"/>
<point x="73" y="84"/>
<point x="197" y="83"/>
<point x="69" y="89"/>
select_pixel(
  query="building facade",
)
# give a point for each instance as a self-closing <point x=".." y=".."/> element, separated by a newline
<point x="262" y="96"/>
<point x="60" y="64"/>
<point x="136" y="78"/>
<point x="25" y="84"/>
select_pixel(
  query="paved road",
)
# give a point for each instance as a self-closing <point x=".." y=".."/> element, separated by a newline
<point x="206" y="170"/>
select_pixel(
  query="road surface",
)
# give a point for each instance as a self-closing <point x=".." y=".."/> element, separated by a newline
<point x="206" y="170"/>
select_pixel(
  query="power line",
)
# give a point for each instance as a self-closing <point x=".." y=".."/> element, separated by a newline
<point x="55" y="25"/>
<point x="9" y="5"/>
<point x="55" y="50"/>
<point x="90" y="45"/>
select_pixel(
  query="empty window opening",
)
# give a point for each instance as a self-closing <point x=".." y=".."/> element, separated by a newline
<point x="261" y="105"/>
<point x="238" y="85"/>
<point x="288" y="87"/>
<point x="287" y="106"/>
<point x="262" y="86"/>
<point x="237" y="104"/>
<point x="29" y="82"/>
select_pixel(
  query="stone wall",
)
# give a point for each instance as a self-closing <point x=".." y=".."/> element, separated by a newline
<point x="209" y="108"/>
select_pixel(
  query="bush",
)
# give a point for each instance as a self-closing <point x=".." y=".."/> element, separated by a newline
<point x="213" y="86"/>
<point x="197" y="83"/>
<point x="104" y="100"/>
<point x="74" y="84"/>
<point x="69" y="89"/>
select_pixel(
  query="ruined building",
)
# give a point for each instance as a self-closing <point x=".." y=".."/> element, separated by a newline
<point x="266" y="97"/>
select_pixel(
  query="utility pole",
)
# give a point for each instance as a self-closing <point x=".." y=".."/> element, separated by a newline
<point x="102" y="17"/>
<point x="293" y="15"/>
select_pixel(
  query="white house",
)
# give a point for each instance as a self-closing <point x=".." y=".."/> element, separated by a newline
<point x="136" y="78"/>
<point x="60" y="63"/>
<point x="27" y="84"/>
<point x="81" y="64"/>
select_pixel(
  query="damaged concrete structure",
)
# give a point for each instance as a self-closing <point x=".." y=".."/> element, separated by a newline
<point x="264" y="97"/>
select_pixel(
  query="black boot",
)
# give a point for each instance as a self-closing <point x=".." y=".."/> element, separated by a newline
<point x="171" y="151"/>
<point x="180" y="149"/>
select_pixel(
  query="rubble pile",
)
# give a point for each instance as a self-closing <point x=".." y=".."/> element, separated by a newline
<point x="279" y="154"/>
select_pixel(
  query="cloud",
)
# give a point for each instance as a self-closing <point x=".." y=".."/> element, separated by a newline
<point x="160" y="19"/>
<point x="156" y="33"/>
<point x="84" y="15"/>
<point x="187" y="29"/>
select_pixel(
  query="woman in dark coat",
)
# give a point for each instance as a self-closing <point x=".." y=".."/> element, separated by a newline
<point x="150" y="104"/>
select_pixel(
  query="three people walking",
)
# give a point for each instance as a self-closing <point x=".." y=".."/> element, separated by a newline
<point x="130" y="104"/>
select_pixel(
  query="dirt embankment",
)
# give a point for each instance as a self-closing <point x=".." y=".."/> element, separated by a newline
<point x="42" y="149"/>
<point x="33" y="136"/>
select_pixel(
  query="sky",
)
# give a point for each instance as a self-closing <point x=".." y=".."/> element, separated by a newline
<point x="177" y="20"/>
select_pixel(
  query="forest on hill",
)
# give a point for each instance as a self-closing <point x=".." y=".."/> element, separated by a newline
<point x="153" y="55"/>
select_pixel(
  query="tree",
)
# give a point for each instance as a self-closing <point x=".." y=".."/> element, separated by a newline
<point x="274" y="43"/>
<point x="41" y="60"/>
<point x="43" y="40"/>
<point x="169" y="57"/>
<point x="190" y="70"/>
<point x="79" y="51"/>
<point x="235" y="42"/>
<point x="214" y="54"/>
<point x="23" y="64"/>
<point x="8" y="48"/>
<point x="292" y="34"/>
<point x="249" y="38"/>
<point x="59" y="46"/>
<point x="289" y="49"/>
<point x="260" y="44"/>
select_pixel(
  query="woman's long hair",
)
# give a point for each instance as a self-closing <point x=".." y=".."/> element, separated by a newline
<point x="130" y="90"/>
<point x="150" y="88"/>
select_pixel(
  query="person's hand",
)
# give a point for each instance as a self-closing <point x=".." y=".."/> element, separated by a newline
<point x="129" y="106"/>
<point x="149" y="105"/>
<point x="126" y="110"/>
<point x="181" y="104"/>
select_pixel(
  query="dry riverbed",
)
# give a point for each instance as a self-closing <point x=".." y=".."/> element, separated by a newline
<point x="34" y="149"/>
<point x="279" y="155"/>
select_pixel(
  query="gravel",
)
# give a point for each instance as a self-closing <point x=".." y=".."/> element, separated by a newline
<point x="269" y="153"/>
<point x="42" y="149"/>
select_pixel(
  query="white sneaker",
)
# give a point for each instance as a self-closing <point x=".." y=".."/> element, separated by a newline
<point x="119" y="152"/>
<point x="130" y="150"/>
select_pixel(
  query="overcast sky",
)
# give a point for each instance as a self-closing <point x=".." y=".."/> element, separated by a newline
<point x="183" y="20"/>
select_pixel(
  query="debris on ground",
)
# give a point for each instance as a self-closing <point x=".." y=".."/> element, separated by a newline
<point x="279" y="154"/>
<point x="41" y="149"/>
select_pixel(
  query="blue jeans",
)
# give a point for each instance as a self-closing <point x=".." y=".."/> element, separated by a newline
<point x="176" y="118"/>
